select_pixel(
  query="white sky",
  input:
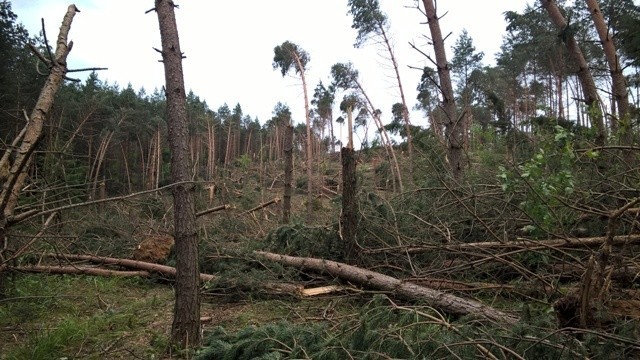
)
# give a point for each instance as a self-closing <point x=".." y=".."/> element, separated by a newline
<point x="229" y="45"/>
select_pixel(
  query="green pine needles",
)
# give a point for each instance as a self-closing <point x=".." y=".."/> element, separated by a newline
<point x="384" y="331"/>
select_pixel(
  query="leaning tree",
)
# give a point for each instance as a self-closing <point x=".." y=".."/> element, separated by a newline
<point x="373" y="25"/>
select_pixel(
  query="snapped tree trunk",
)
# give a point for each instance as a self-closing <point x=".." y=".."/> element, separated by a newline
<point x="185" y="330"/>
<point x="349" y="215"/>
<point x="584" y="73"/>
<point x="32" y="133"/>
<point x="454" y="126"/>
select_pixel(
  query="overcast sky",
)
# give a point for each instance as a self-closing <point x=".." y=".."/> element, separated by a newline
<point x="229" y="45"/>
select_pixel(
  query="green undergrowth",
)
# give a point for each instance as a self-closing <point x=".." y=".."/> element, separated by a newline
<point x="382" y="330"/>
<point x="55" y="317"/>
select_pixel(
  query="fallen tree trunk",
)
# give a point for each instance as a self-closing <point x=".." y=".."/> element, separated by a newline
<point x="141" y="265"/>
<point x="78" y="270"/>
<point x="519" y="243"/>
<point x="449" y="303"/>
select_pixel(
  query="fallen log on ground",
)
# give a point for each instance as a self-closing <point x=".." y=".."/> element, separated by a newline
<point x="134" y="264"/>
<point x="144" y="270"/>
<point x="78" y="270"/>
<point x="446" y="302"/>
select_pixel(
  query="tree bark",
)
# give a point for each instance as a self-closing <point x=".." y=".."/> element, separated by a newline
<point x="584" y="73"/>
<point x="449" y="303"/>
<point x="185" y="330"/>
<point x="453" y="125"/>
<point x="288" y="174"/>
<point x="349" y="215"/>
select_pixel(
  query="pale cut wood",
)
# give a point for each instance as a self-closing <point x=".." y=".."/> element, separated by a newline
<point x="322" y="290"/>
<point x="446" y="302"/>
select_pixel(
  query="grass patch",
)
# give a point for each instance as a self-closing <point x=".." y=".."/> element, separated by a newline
<point x="49" y="316"/>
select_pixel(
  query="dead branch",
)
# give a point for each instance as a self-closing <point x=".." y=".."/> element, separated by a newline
<point x="449" y="303"/>
<point x="261" y="206"/>
<point x="12" y="220"/>
<point x="520" y="243"/>
<point x="77" y="270"/>
<point x="135" y="264"/>
<point x="24" y="248"/>
<point x="212" y="210"/>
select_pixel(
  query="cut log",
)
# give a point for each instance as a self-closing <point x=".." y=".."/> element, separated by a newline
<point x="446" y="302"/>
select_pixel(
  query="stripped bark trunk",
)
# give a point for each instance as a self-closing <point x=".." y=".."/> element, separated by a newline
<point x="446" y="302"/>
<point x="185" y="330"/>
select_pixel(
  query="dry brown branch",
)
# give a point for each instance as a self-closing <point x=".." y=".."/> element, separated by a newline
<point x="141" y="265"/>
<point x="24" y="248"/>
<point x="212" y="210"/>
<point x="520" y="243"/>
<point x="261" y="206"/>
<point x="78" y="270"/>
<point x="449" y="303"/>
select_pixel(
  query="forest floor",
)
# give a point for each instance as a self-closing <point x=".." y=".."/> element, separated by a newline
<point x="87" y="317"/>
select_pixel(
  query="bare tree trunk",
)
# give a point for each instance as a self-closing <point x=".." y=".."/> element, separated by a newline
<point x="308" y="144"/>
<point x="288" y="173"/>
<point x="349" y="215"/>
<point x="211" y="141"/>
<point x="584" y="73"/>
<point x="454" y="134"/>
<point x="185" y="331"/>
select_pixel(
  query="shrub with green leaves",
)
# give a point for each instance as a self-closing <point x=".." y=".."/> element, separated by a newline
<point x="543" y="182"/>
